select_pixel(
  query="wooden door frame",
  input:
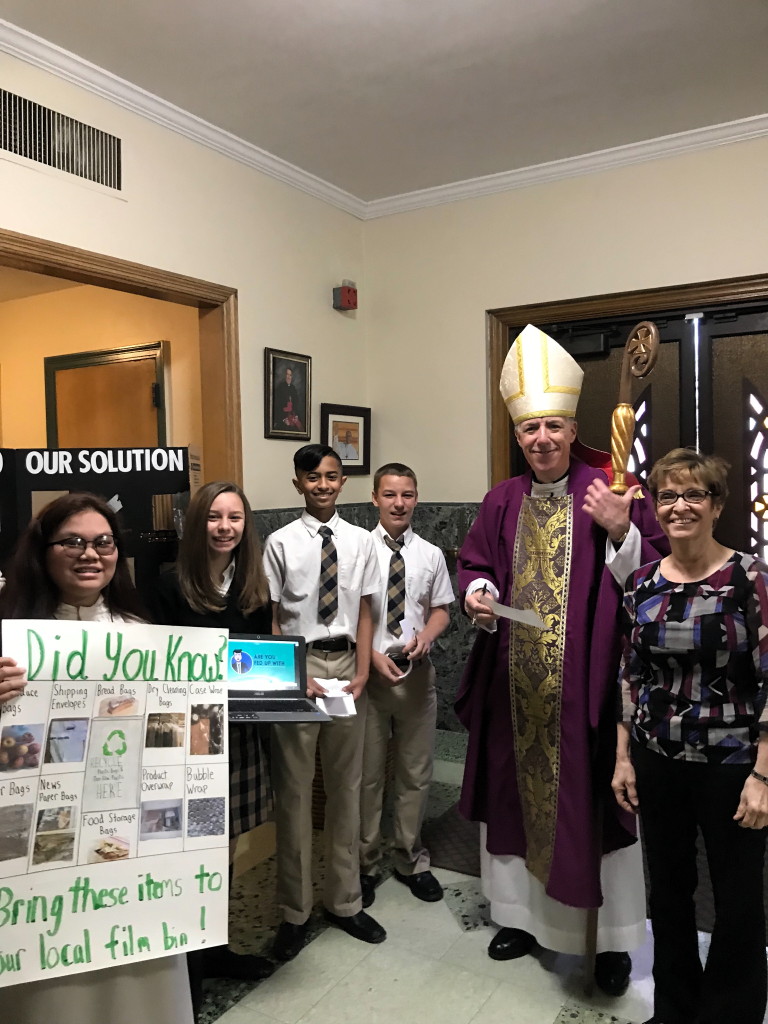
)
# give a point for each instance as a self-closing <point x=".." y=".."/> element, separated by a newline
<point x="639" y="303"/>
<point x="156" y="350"/>
<point x="217" y="310"/>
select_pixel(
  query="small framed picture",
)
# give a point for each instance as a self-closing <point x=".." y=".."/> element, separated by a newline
<point x="287" y="395"/>
<point x="347" y="429"/>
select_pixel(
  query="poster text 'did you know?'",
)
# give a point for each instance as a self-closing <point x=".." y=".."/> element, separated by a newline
<point x="114" y="788"/>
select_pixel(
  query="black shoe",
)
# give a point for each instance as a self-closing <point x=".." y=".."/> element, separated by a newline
<point x="423" y="885"/>
<point x="289" y="940"/>
<point x="222" y="962"/>
<point x="368" y="889"/>
<point x="612" y="971"/>
<point x="510" y="943"/>
<point x="360" y="926"/>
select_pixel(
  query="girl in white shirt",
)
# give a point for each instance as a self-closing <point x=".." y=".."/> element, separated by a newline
<point x="69" y="564"/>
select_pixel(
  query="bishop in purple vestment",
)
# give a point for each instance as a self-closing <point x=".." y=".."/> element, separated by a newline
<point x="540" y="704"/>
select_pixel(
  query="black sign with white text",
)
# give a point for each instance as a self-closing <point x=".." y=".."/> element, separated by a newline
<point x="144" y="485"/>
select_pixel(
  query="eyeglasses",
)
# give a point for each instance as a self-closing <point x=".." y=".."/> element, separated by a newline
<point x="693" y="496"/>
<point x="75" y="546"/>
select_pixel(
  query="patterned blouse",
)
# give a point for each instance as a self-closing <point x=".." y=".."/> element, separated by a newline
<point x="694" y="671"/>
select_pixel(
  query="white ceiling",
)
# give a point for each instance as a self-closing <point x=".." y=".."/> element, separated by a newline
<point x="384" y="97"/>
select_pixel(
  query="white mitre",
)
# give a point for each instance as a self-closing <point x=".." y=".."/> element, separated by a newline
<point x="539" y="378"/>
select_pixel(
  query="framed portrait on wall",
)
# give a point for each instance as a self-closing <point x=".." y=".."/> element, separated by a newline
<point x="347" y="429"/>
<point x="287" y="395"/>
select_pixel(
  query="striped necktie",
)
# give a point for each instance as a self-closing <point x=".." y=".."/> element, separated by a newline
<point x="396" y="586"/>
<point x="328" y="593"/>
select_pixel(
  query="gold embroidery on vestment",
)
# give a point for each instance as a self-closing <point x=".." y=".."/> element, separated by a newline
<point x="540" y="577"/>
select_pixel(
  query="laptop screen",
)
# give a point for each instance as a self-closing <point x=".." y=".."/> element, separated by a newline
<point x="266" y="664"/>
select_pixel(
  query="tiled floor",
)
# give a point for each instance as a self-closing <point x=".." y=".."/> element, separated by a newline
<point x="433" y="966"/>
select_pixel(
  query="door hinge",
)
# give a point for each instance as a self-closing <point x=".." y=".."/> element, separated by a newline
<point x="155" y="395"/>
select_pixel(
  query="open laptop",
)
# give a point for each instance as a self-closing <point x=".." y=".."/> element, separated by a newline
<point x="267" y="680"/>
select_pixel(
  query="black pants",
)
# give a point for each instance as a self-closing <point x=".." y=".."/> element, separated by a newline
<point x="677" y="798"/>
<point x="196" y="974"/>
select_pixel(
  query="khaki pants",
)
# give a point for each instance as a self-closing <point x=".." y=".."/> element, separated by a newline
<point x="408" y="712"/>
<point x="293" y="771"/>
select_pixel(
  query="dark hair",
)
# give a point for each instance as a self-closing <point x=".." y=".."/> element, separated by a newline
<point x="30" y="593"/>
<point x="198" y="587"/>
<point x="393" y="469"/>
<point x="311" y="455"/>
<point x="683" y="463"/>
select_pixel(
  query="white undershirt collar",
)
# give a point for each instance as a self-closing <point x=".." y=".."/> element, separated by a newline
<point x="557" y="489"/>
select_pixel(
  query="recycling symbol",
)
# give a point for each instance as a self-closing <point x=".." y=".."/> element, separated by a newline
<point x="120" y="746"/>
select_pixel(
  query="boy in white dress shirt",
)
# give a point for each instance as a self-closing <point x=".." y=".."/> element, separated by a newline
<point x="322" y="573"/>
<point x="413" y="598"/>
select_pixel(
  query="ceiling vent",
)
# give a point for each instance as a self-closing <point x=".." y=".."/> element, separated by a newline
<point x="47" y="137"/>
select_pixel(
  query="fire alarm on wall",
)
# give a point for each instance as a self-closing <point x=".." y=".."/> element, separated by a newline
<point x="345" y="296"/>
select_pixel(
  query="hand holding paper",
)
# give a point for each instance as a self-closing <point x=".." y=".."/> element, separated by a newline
<point x="418" y="645"/>
<point x="12" y="681"/>
<point x="315" y="688"/>
<point x="336" y="701"/>
<point x="335" y="687"/>
<point x="477" y="605"/>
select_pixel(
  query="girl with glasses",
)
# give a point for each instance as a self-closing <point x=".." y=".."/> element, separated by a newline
<point x="69" y="564"/>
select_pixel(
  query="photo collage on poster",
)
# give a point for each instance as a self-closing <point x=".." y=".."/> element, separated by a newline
<point x="95" y="771"/>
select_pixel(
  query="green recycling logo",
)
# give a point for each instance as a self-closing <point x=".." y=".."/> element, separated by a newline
<point x="120" y="745"/>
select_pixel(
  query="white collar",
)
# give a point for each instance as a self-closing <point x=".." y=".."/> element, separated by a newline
<point x="226" y="578"/>
<point x="407" y="536"/>
<point x="557" y="489"/>
<point x="312" y="525"/>
<point x="97" y="612"/>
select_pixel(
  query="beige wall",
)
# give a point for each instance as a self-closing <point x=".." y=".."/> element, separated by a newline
<point x="86" y="319"/>
<point x="432" y="274"/>
<point x="415" y="351"/>
<point x="188" y="210"/>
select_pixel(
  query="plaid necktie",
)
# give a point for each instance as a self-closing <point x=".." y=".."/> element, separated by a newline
<point x="396" y="586"/>
<point x="328" y="594"/>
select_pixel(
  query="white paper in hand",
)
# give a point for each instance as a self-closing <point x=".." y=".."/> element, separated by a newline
<point x="409" y="630"/>
<point x="523" y="615"/>
<point x="336" y="702"/>
<point x="334" y="687"/>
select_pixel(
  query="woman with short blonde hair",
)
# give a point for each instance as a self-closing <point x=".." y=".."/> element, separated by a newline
<point x="692" y="750"/>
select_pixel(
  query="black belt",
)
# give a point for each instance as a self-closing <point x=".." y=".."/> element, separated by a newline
<point x="333" y="643"/>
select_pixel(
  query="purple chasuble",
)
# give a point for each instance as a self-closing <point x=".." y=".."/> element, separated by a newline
<point x="588" y="822"/>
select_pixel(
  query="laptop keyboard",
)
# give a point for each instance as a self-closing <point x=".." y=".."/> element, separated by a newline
<point x="246" y="708"/>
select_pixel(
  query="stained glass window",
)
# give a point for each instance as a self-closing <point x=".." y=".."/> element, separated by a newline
<point x="640" y="454"/>
<point x="756" y="415"/>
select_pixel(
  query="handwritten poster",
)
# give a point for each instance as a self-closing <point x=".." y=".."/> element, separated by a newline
<point x="114" y="788"/>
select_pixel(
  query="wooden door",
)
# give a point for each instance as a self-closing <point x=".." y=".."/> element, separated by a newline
<point x="709" y="391"/>
<point x="658" y="400"/>
<point x="106" y="399"/>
